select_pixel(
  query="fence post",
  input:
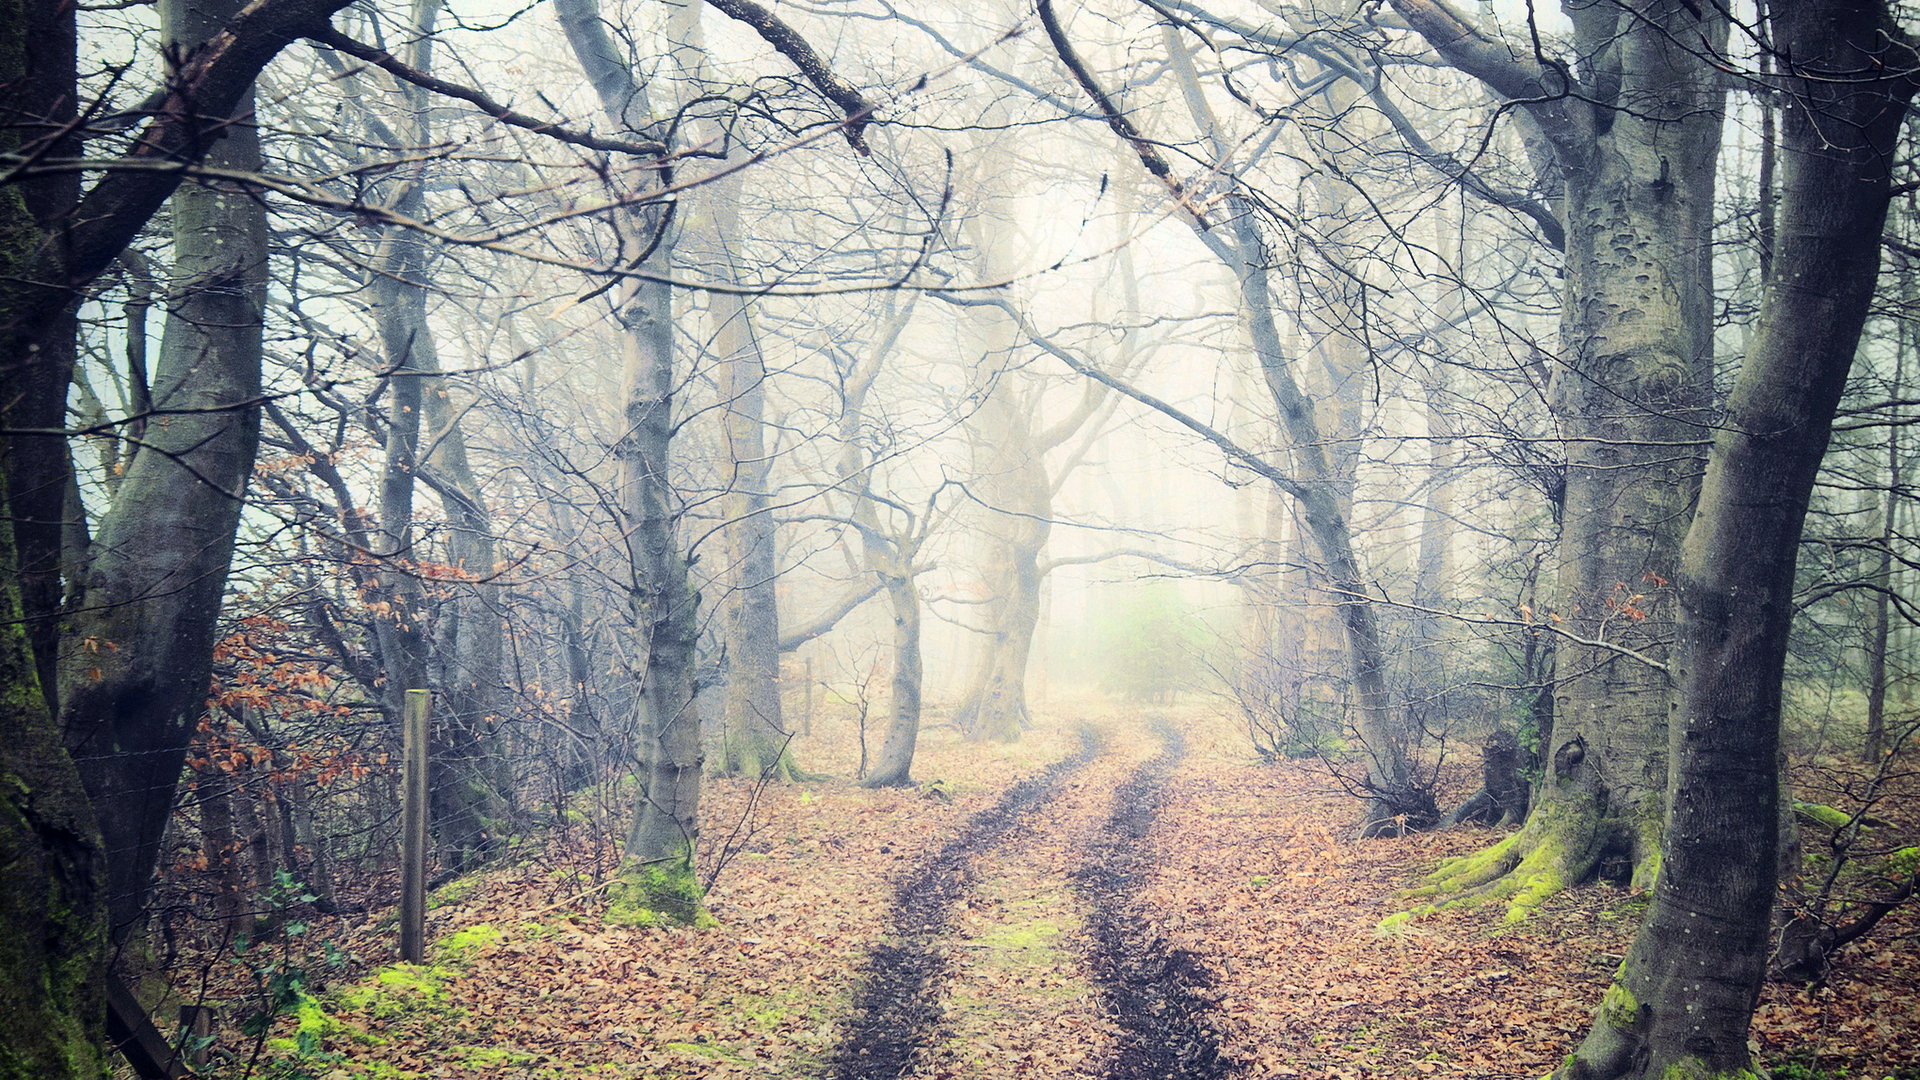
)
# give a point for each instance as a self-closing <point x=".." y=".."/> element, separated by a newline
<point x="413" y="827"/>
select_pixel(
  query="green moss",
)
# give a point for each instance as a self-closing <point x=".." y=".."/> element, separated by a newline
<point x="1647" y="874"/>
<point x="1693" y="1068"/>
<point x="457" y="891"/>
<point x="1401" y="922"/>
<point x="462" y="947"/>
<point x="401" y="992"/>
<point x="1532" y="891"/>
<point x="663" y="894"/>
<point x="1471" y="871"/>
<point x="1826" y="817"/>
<point x="1903" y="864"/>
<point x="1619" y="1008"/>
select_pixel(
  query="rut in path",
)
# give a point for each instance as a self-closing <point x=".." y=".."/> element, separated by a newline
<point x="1153" y="991"/>
<point x="896" y="1010"/>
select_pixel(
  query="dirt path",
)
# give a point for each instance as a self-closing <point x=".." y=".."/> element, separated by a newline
<point x="1154" y="991"/>
<point x="897" y="1009"/>
<point x="1149" y="908"/>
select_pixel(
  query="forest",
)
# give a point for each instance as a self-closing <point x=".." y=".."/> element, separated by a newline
<point x="852" y="539"/>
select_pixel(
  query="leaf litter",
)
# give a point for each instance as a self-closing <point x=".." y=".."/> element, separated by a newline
<point x="1244" y="872"/>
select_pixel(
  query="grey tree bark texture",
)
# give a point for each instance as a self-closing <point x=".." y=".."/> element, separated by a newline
<point x="1633" y="146"/>
<point x="137" y="652"/>
<point x="1685" y="995"/>
<point x="666" y="825"/>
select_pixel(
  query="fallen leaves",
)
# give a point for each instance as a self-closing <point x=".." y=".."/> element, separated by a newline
<point x="1246" y="866"/>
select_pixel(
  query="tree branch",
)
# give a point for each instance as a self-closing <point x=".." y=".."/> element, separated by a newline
<point x="1117" y="120"/>
<point x="791" y="45"/>
<point x="1233" y="450"/>
<point x="386" y="62"/>
<point x="1544" y="87"/>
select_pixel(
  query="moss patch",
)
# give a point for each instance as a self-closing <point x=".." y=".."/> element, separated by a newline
<point x="663" y="894"/>
<point x="457" y="891"/>
<point x="460" y="948"/>
<point x="1619" y="1008"/>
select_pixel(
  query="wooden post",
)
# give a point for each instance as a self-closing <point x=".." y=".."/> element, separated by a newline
<point x="413" y="827"/>
<point x="196" y="1033"/>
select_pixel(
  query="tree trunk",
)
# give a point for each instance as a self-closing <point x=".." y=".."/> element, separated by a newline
<point x="38" y="107"/>
<point x="889" y="552"/>
<point x="893" y="768"/>
<point x="1685" y="996"/>
<point x="1885" y="581"/>
<point x="756" y="736"/>
<point x="1395" y="800"/>
<point x="213" y="789"/>
<point x="53" y="953"/>
<point x="995" y="706"/>
<point x="1016" y="506"/>
<point x="658" y="863"/>
<point x="1635" y="154"/>
<point x="140" y="657"/>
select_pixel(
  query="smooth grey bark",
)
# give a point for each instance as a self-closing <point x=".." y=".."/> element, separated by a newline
<point x="755" y="740"/>
<point x="1685" y="996"/>
<point x="139" y="654"/>
<point x="1013" y="489"/>
<point x="1633" y="143"/>
<point x="666" y="824"/>
<point x="1428" y="668"/>
<point x="1012" y="500"/>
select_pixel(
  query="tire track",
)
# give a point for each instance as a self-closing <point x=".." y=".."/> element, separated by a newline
<point x="1154" y="991"/>
<point x="896" y="1011"/>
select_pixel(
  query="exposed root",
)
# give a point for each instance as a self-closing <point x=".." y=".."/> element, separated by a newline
<point x="1524" y="870"/>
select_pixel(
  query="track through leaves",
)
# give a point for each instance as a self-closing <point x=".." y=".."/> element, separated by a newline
<point x="1240" y="879"/>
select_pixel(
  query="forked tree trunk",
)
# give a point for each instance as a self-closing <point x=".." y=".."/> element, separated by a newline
<point x="1634" y="156"/>
<point x="142" y="639"/>
<point x="889" y="552"/>
<point x="1015" y="511"/>
<point x="1685" y="996"/>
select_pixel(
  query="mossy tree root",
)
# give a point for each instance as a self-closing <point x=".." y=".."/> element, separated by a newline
<point x="1554" y="850"/>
